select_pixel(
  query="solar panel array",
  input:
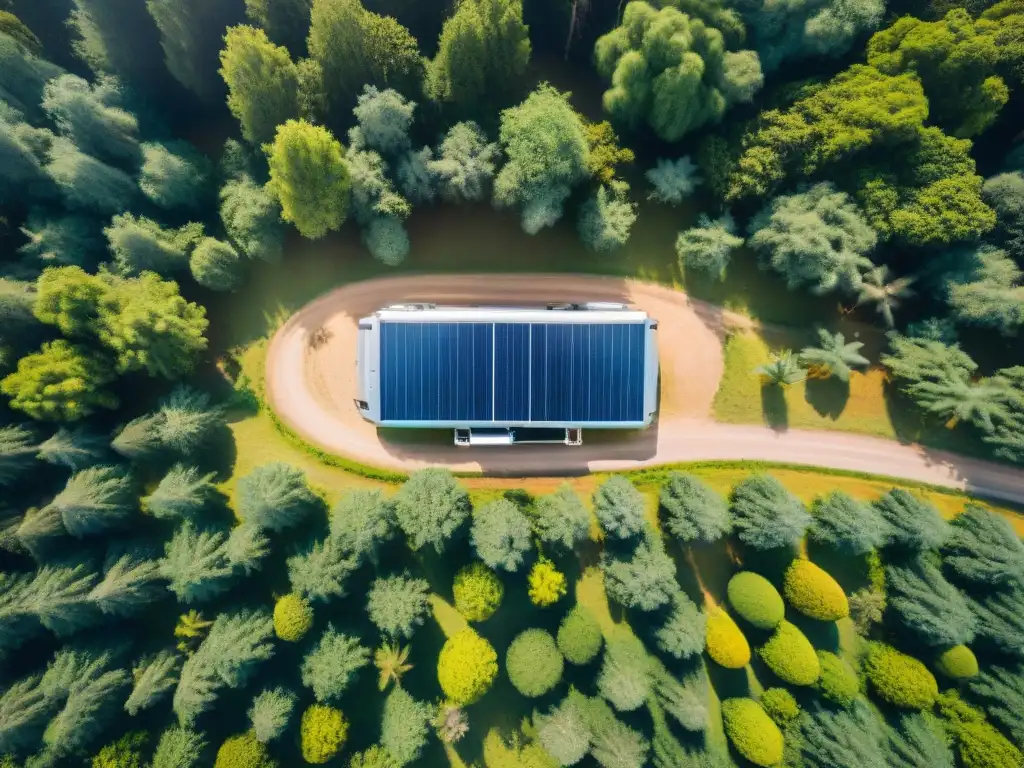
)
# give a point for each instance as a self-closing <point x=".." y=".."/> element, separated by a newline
<point x="572" y="373"/>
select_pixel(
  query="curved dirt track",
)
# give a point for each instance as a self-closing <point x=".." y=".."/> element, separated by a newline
<point x="311" y="386"/>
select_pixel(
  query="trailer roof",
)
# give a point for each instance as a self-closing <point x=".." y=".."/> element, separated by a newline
<point x="518" y="372"/>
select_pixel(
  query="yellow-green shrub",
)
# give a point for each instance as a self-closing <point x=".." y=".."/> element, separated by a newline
<point x="533" y="663"/>
<point x="958" y="662"/>
<point x="293" y="618"/>
<point x="323" y="730"/>
<point x="243" y="751"/>
<point x="547" y="583"/>
<point x="901" y="680"/>
<point x="477" y="591"/>
<point x="780" y="705"/>
<point x="752" y="732"/>
<point x="725" y="643"/>
<point x="838" y="683"/>
<point x="466" y="667"/>
<point x="790" y="655"/>
<point x="754" y="598"/>
<point x="814" y="593"/>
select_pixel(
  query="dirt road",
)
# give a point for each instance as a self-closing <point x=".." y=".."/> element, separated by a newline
<point x="311" y="386"/>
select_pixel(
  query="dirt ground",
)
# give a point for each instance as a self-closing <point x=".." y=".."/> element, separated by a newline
<point x="311" y="385"/>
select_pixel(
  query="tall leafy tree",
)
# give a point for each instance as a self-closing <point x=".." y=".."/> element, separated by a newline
<point x="96" y="500"/>
<point x="1000" y="618"/>
<point x="186" y="419"/>
<point x="912" y="524"/>
<point x="178" y="748"/>
<point x="91" y="116"/>
<point x="174" y="175"/>
<point x="692" y="511"/>
<point x="398" y="605"/>
<point x="333" y="665"/>
<point x="22" y="77"/>
<point x="619" y="507"/>
<point x="991" y="294"/>
<point x="262" y="81"/>
<point x="251" y="217"/>
<point x="87" y="184"/>
<point x="625" y="677"/>
<point x="483" y="53"/>
<point x="191" y="32"/>
<point x="319" y="573"/>
<point x="560" y="519"/>
<point x="430" y="507"/>
<point x="547" y="149"/>
<point x="708" y="247"/>
<point x="361" y="522"/>
<point x="927" y="605"/>
<point x="501" y="535"/>
<point x="606" y="219"/>
<point x="766" y="515"/>
<point x="140" y="244"/>
<point x="92" y="702"/>
<point x="24" y="709"/>
<point x="853" y="736"/>
<point x="672" y="71"/>
<point x="40" y="532"/>
<point x="274" y="496"/>
<point x="915" y="739"/>
<point x="613" y="742"/>
<point x="195" y="563"/>
<point x="16" y="452"/>
<point x="465" y="163"/>
<point x="815" y="238"/>
<point x="1001" y="690"/>
<point x="834" y="355"/>
<point x="847" y="525"/>
<point x="1005" y="194"/>
<point x="181" y="494"/>
<point x="980" y="402"/>
<point x="309" y="177"/>
<point x="129" y="584"/>
<point x="646" y="581"/>
<point x="153" y="679"/>
<point x="350" y="47"/>
<point x="983" y="550"/>
<point x="64" y="239"/>
<point x="73" y="448"/>
<point x="59" y="598"/>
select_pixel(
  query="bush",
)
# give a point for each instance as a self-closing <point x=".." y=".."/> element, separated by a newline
<point x="780" y="706"/>
<point x="958" y="662"/>
<point x="725" y="643"/>
<point x="374" y="757"/>
<point x="126" y="752"/>
<point x="790" y="655"/>
<point x="752" y="732"/>
<point x="901" y="680"/>
<point x="837" y="683"/>
<point x="814" y="593"/>
<point x="466" y="667"/>
<point x="547" y="583"/>
<point x="293" y="618"/>
<point x="533" y="663"/>
<point x="323" y="731"/>
<point x="754" y="598"/>
<point x="579" y="636"/>
<point x="243" y="751"/>
<point x="478" y="592"/>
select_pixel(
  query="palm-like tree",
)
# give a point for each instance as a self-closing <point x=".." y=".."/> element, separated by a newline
<point x="391" y="661"/>
<point x="957" y="399"/>
<point x="191" y="630"/>
<point x="876" y="288"/>
<point x="782" y="369"/>
<point x="834" y="355"/>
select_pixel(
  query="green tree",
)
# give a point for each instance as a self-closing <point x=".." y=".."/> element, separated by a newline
<point x="672" y="71"/>
<point x="927" y="605"/>
<point x="815" y="238"/>
<point x="126" y="752"/>
<point x="95" y="500"/>
<point x="918" y="739"/>
<point x="560" y="519"/>
<point x="1001" y="690"/>
<point x="186" y="420"/>
<point x="625" y="676"/>
<point x="68" y="297"/>
<point x="386" y="240"/>
<point x="1000" y="618"/>
<point x="270" y="712"/>
<point x="500" y="535"/>
<point x="61" y="382"/>
<point x="262" y="80"/>
<point x="246" y="547"/>
<point x="75" y="449"/>
<point x="24" y="709"/>
<point x="351" y="47"/>
<point x="619" y="508"/>
<point x="834" y="355"/>
<point x="87" y="184"/>
<point x="646" y="581"/>
<point x="992" y="294"/>
<point x="90" y="705"/>
<point x="546" y="144"/>
<point x="403" y="732"/>
<point x="309" y="177"/>
<point x="148" y="326"/>
<point x="398" y="605"/>
<point x="782" y="369"/>
<point x="216" y="265"/>
<point x="196" y="565"/>
<point x="614" y="744"/>
<point x="252" y="219"/>
<point x="152" y="680"/>
<point x="274" y="496"/>
<point x="59" y="598"/>
<point x="1004" y="193"/>
<point x="16" y="452"/>
<point x="831" y="737"/>
<point x="174" y="175"/>
<point x="40" y="532"/>
<point x="708" y="247"/>
<point x="465" y="163"/>
<point x="673" y="180"/>
<point x="563" y="733"/>
<point x="23" y="151"/>
<point x="319" y="573"/>
<point x="244" y="750"/>
<point x="980" y="403"/>
<point x="92" y="118"/>
<point x="384" y="119"/>
<point x="914" y="360"/>
<point x="23" y="76"/>
<point x="191" y="32"/>
<point x="140" y="244"/>
<point x="482" y="54"/>
<point x="912" y="524"/>
<point x="533" y="663"/>
<point x="15" y="28"/>
<point x="361" y="522"/>
<point x="766" y="515"/>
<point x="128" y="586"/>
<point x="683" y="633"/>
<point x="61" y="240"/>
<point x="841" y="522"/>
<point x="238" y="642"/>
<point x="886" y="295"/>
<point x="182" y="494"/>
<point x="606" y="219"/>
<point x="983" y="550"/>
<point x="178" y="748"/>
<point x="430" y="507"/>
<point x="333" y="665"/>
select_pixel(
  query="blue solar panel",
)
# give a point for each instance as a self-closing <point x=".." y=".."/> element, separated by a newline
<point x="571" y="373"/>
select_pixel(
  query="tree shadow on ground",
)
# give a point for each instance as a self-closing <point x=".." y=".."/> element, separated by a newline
<point x="729" y="683"/>
<point x="774" y="409"/>
<point x="770" y="563"/>
<point x="827" y="396"/>
<point x="824" y="635"/>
